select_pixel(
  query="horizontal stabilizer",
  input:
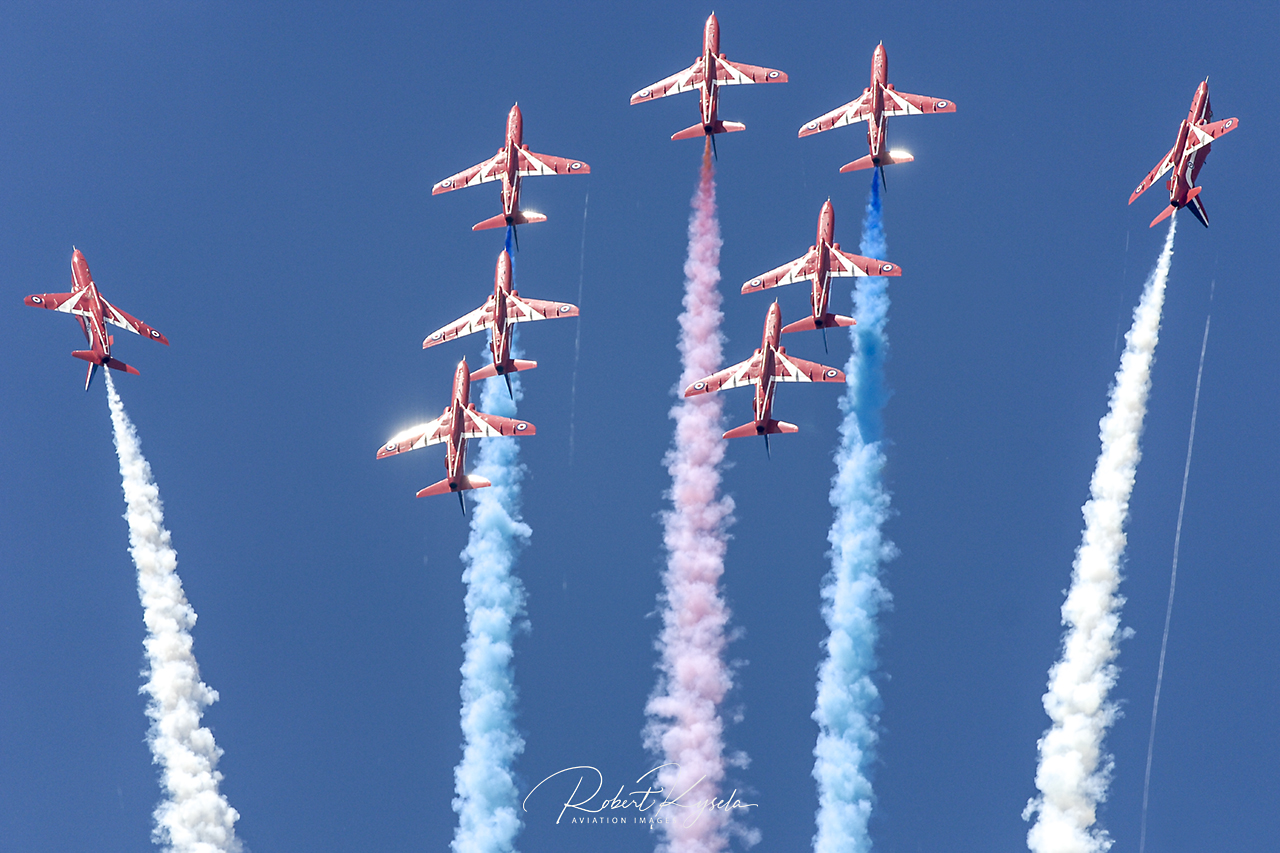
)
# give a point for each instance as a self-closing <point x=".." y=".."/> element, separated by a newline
<point x="117" y="364"/>
<point x="1164" y="214"/>
<point x="699" y="130"/>
<point x="751" y="428"/>
<point x="500" y="221"/>
<point x="446" y="486"/>
<point x="886" y="159"/>
<point x="829" y="321"/>
<point x="491" y="370"/>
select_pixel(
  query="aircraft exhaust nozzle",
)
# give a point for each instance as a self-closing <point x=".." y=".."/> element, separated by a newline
<point x="491" y="370"/>
<point x="446" y="486"/>
<point x="754" y="428"/>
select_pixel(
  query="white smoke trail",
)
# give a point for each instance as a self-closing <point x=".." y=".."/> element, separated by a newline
<point x="848" y="701"/>
<point x="1074" y="772"/>
<point x="487" y="799"/>
<point x="1173" y="585"/>
<point x="577" y="338"/>
<point x="195" y="817"/>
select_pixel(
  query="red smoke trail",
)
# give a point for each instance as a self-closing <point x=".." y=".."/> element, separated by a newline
<point x="684" y="725"/>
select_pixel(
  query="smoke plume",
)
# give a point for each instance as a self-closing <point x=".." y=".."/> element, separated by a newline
<point x="684" y="724"/>
<point x="194" y="817"/>
<point x="848" y="702"/>
<point x="1074" y="771"/>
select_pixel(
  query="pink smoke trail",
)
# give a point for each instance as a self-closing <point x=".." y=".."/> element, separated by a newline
<point x="684" y="726"/>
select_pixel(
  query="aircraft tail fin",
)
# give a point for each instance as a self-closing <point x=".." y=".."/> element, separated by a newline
<point x="491" y="369"/>
<point x="88" y="376"/>
<point x="829" y="320"/>
<point x="446" y="486"/>
<point x="769" y="427"/>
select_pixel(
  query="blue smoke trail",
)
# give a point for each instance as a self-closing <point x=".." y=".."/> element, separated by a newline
<point x="848" y="703"/>
<point x="487" y="799"/>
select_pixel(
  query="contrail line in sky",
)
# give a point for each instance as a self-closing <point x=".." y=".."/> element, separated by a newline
<point x="577" y="338"/>
<point x="848" y="702"/>
<point x="1074" y="771"/>
<point x="194" y="817"/>
<point x="487" y="800"/>
<point x="1173" y="583"/>
<point x="684" y="724"/>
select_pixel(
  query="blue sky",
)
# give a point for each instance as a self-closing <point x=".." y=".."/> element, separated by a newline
<point x="255" y="182"/>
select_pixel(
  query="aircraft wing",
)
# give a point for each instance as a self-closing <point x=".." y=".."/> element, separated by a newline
<point x="681" y="81"/>
<point x="545" y="164"/>
<point x="1154" y="175"/>
<point x="522" y="310"/>
<point x="116" y="317"/>
<point x="422" y="435"/>
<point x="844" y="264"/>
<point x="789" y="273"/>
<point x="742" y="373"/>
<point x="1201" y="135"/>
<point x="489" y="170"/>
<point x="851" y="113"/>
<point x="481" y="318"/>
<point x="736" y="73"/>
<point x="67" y="303"/>
<point x="788" y="369"/>
<point x="903" y="104"/>
<point x="481" y="425"/>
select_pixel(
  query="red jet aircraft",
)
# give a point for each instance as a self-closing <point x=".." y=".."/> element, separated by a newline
<point x="459" y="422"/>
<point x="877" y="102"/>
<point x="696" y="76"/>
<point x="819" y="265"/>
<point x="768" y="366"/>
<point x="93" y="312"/>
<point x="1187" y="156"/>
<point x="504" y="308"/>
<point x="513" y="161"/>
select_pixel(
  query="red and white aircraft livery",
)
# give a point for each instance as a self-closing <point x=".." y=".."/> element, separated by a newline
<point x="499" y="312"/>
<point x="823" y="262"/>
<point x="1187" y="156"/>
<point x="513" y="161"/>
<point x="93" y="312"/>
<point x="876" y="103"/>
<point x="707" y="74"/>
<point x="768" y="366"/>
<point x="459" y="422"/>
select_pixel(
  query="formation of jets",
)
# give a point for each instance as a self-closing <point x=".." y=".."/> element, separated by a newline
<point x="93" y="312"/>
<point x="769" y="365"/>
<point x="1187" y="156"/>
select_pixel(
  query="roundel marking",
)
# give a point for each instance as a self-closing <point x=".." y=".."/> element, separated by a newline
<point x="391" y="445"/>
<point x="942" y="104"/>
<point x="755" y="282"/>
<point x="435" y="336"/>
<point x="698" y="386"/>
<point x="833" y="373"/>
<point x="521" y="427"/>
<point x="773" y="74"/>
<point x="886" y="267"/>
<point x="1228" y="124"/>
<point x="575" y="165"/>
<point x="37" y="300"/>
<point x="812" y="125"/>
<point x="448" y="183"/>
<point x="644" y="93"/>
<point x="564" y="309"/>
<point x="154" y="333"/>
